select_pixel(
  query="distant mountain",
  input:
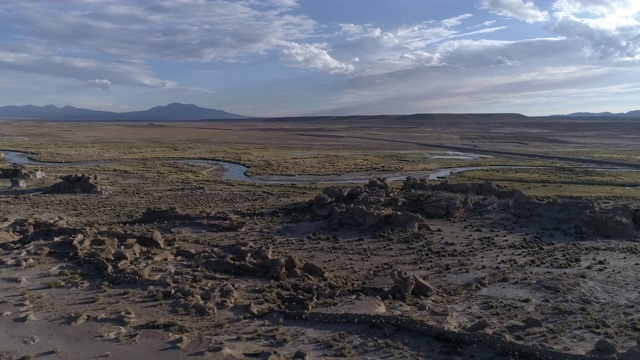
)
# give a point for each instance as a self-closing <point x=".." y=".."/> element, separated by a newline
<point x="628" y="115"/>
<point x="171" y="112"/>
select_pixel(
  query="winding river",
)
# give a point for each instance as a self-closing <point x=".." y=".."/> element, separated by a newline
<point x="238" y="172"/>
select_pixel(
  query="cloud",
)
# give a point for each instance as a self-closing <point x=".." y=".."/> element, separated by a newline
<point x="314" y="56"/>
<point x="608" y="29"/>
<point x="518" y="9"/>
<point x="455" y="21"/>
<point x="124" y="72"/>
<point x="126" y="36"/>
<point x="618" y="8"/>
<point x="405" y="47"/>
<point x="358" y="31"/>
<point x="103" y="84"/>
<point x="169" y="30"/>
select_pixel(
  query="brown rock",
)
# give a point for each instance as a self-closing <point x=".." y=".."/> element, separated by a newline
<point x="423" y="287"/>
<point x="7" y="237"/>
<point x="292" y="263"/>
<point x="152" y="240"/>
<point x="403" y="283"/>
<point x="314" y="270"/>
<point x="124" y="255"/>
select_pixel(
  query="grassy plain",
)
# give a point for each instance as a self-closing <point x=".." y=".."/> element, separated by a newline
<point x="525" y="269"/>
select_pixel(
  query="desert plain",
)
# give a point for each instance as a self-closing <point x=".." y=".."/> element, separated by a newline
<point x="342" y="238"/>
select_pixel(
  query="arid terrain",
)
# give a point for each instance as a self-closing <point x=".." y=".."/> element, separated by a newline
<point x="343" y="239"/>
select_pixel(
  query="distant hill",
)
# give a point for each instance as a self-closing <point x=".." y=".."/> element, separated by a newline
<point x="628" y="115"/>
<point x="171" y="112"/>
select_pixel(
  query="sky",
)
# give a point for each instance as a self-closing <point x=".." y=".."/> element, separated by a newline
<point x="323" y="57"/>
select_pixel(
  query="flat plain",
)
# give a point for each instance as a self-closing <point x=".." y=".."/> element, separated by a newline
<point x="338" y="244"/>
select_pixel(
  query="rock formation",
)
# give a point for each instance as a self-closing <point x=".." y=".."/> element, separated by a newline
<point x="79" y="184"/>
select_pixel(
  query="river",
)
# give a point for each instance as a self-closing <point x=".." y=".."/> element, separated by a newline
<point x="239" y="172"/>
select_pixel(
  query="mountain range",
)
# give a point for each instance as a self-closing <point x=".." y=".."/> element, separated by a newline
<point x="190" y="112"/>
<point x="628" y="115"/>
<point x="171" y="112"/>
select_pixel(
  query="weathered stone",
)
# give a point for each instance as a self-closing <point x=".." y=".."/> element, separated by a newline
<point x="531" y="322"/>
<point x="292" y="263"/>
<point x="405" y="220"/>
<point x="403" y="283"/>
<point x="105" y="242"/>
<point x="631" y="354"/>
<point x="7" y="237"/>
<point x="422" y="287"/>
<point x="479" y="325"/>
<point x="302" y="355"/>
<point x="314" y="270"/>
<point x="80" y="184"/>
<point x="125" y="254"/>
<point x="153" y="240"/>
<point x="606" y="347"/>
<point x="18" y="183"/>
<point x="186" y="253"/>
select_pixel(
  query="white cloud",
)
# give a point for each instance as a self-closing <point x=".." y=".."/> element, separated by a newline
<point x="405" y="47"/>
<point x="609" y="29"/>
<point x="314" y="56"/>
<point x="455" y="21"/>
<point x="130" y="72"/>
<point x="144" y="31"/>
<point x="518" y="9"/>
<point x="605" y="8"/>
<point x="358" y="31"/>
<point x="103" y="84"/>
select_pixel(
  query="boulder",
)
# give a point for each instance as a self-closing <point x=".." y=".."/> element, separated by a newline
<point x="292" y="263"/>
<point x="612" y="225"/>
<point x="405" y="220"/>
<point x="412" y="184"/>
<point x="153" y="240"/>
<point x="18" y="183"/>
<point x="403" y="282"/>
<point x="314" y="270"/>
<point x="78" y="183"/>
<point x="406" y="284"/>
<point x="606" y="347"/>
<point x="531" y="322"/>
<point x="631" y="354"/>
<point x="359" y="215"/>
<point x="423" y="287"/>
<point x="7" y="237"/>
<point x="302" y="355"/>
<point x="478" y="326"/>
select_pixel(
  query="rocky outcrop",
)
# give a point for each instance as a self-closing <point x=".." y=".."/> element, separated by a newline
<point x="406" y="284"/>
<point x="219" y="221"/>
<point x="18" y="183"/>
<point x="369" y="206"/>
<point x="492" y="341"/>
<point x="618" y="222"/>
<point x="21" y="172"/>
<point x="79" y="184"/>
<point x="377" y="205"/>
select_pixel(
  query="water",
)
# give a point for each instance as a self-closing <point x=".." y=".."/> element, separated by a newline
<point x="239" y="173"/>
<point x="231" y="171"/>
<point x="457" y="155"/>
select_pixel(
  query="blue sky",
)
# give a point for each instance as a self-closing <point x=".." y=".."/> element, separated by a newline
<point x="323" y="57"/>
